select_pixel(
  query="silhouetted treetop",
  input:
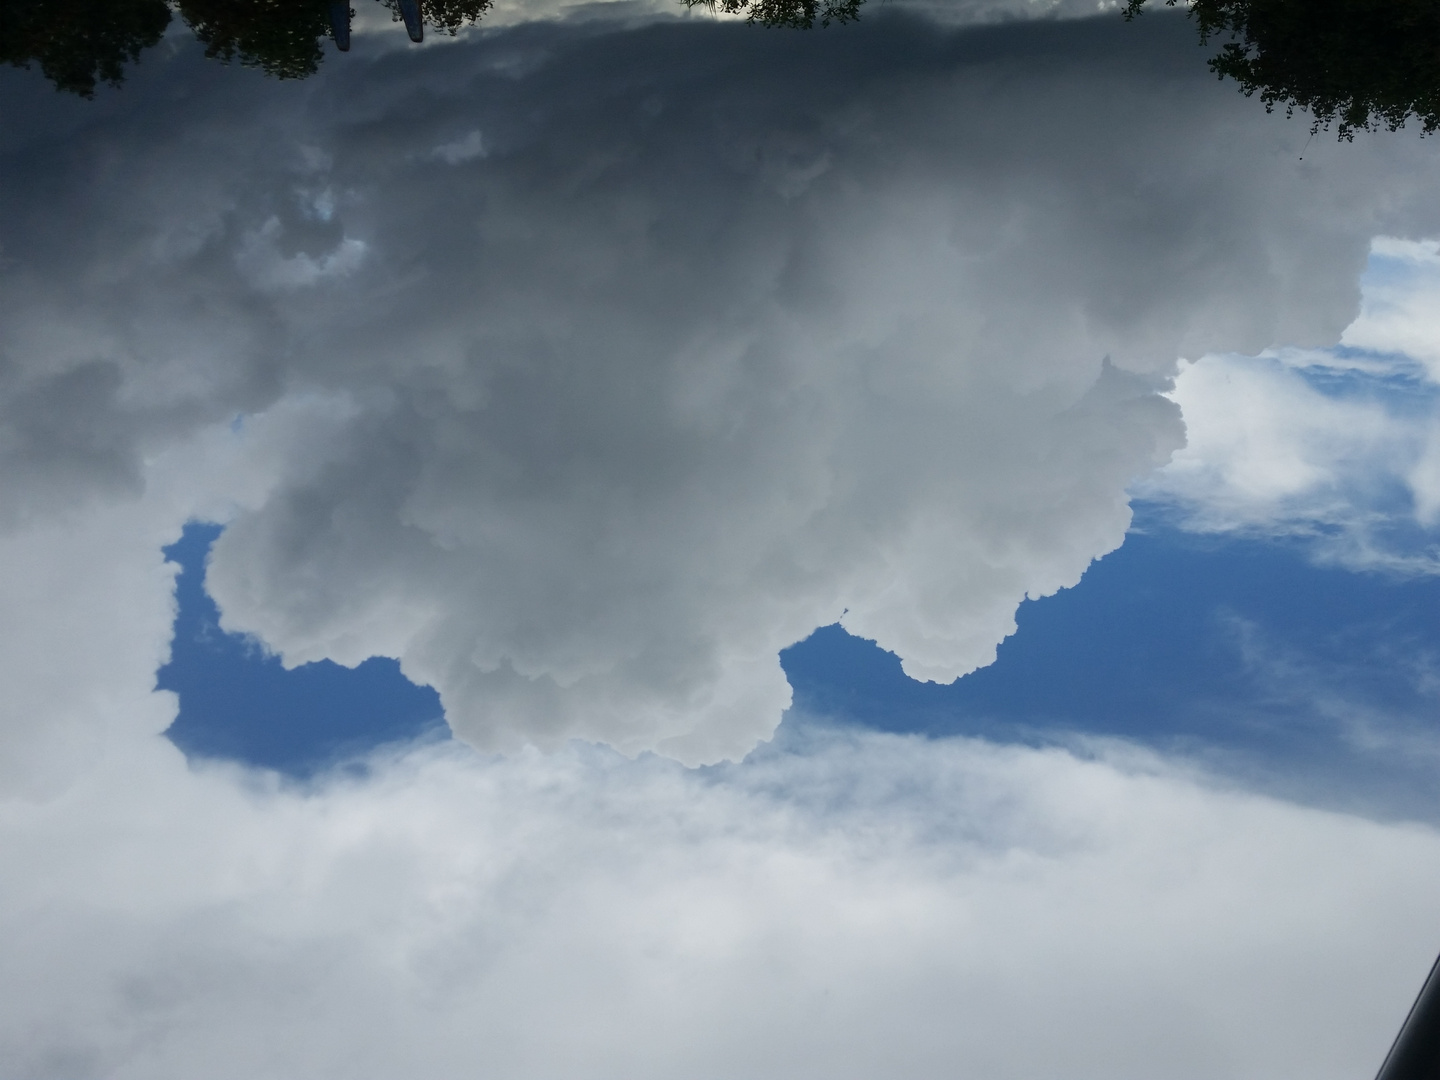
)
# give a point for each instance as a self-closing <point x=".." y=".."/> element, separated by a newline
<point x="281" y="37"/>
<point x="1357" y="64"/>
<point x="796" y="14"/>
<point x="445" y="15"/>
<point x="79" y="43"/>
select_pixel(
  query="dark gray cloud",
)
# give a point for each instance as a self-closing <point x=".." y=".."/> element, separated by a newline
<point x="657" y="346"/>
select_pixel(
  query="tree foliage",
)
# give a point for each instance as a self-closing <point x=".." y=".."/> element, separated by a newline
<point x="795" y="14"/>
<point x="1356" y="64"/>
<point x="79" y="43"/>
<point x="281" y="37"/>
<point x="445" y="15"/>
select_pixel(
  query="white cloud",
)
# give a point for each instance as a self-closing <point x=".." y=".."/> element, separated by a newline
<point x="860" y="905"/>
<point x="86" y="600"/>
<point x="86" y="616"/>
<point x="1264" y="448"/>
<point x="694" y="361"/>
<point x="467" y="148"/>
<point x="266" y="268"/>
<point x="1336" y="444"/>
<point x="873" y="906"/>
<point x="1424" y="479"/>
<point x="1401" y="308"/>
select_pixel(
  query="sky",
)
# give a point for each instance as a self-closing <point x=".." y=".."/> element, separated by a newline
<point x="630" y="545"/>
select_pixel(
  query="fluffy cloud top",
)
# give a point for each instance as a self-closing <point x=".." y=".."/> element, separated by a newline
<point x="722" y="335"/>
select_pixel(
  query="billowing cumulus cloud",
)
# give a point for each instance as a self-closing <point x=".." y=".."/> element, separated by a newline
<point x="658" y="347"/>
<point x="583" y="367"/>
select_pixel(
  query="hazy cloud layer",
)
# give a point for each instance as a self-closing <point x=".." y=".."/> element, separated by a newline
<point x="871" y="907"/>
<point x="655" y="348"/>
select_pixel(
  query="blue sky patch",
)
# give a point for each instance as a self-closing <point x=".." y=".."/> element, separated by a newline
<point x="1242" y="654"/>
<point x="1316" y="682"/>
<point x="238" y="702"/>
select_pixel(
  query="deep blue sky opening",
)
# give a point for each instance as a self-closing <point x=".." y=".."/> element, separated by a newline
<point x="1312" y="681"/>
<point x="1242" y="654"/>
<point x="238" y="702"/>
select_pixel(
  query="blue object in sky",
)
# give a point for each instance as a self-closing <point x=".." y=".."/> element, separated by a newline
<point x="238" y="702"/>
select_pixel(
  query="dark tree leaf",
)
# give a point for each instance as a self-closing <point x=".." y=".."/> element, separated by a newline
<point x="1357" y="64"/>
<point x="281" y="37"/>
<point x="446" y="15"/>
<point x="78" y="43"/>
<point x="796" y="14"/>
